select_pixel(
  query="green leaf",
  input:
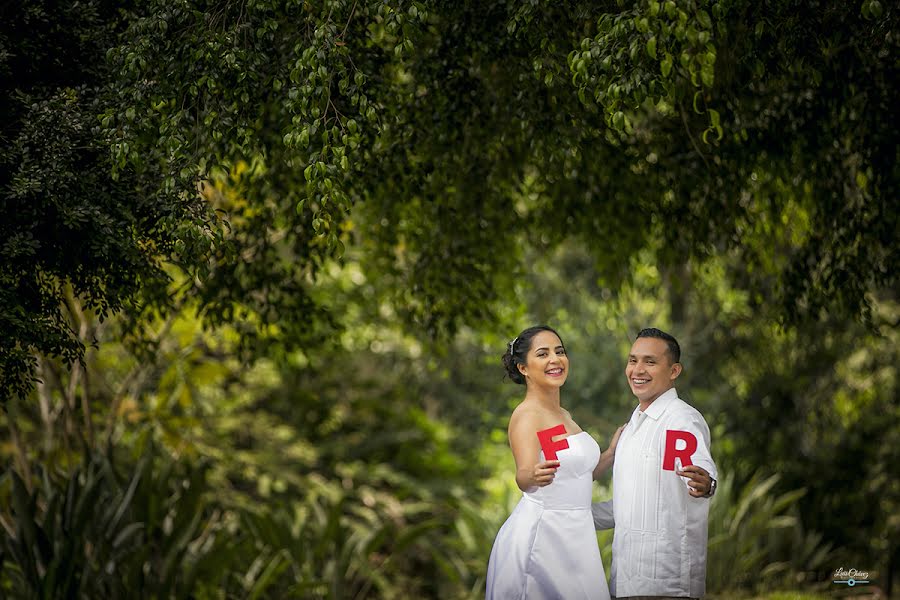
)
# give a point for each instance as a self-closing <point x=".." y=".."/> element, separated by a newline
<point x="651" y="47"/>
<point x="666" y="65"/>
<point x="707" y="75"/>
<point x="22" y="504"/>
<point x="875" y="8"/>
<point x="125" y="502"/>
<point x="704" y="19"/>
<point x="275" y="567"/>
<point x="178" y="546"/>
<point x="127" y="533"/>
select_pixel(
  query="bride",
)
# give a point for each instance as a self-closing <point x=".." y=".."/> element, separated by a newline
<point x="547" y="549"/>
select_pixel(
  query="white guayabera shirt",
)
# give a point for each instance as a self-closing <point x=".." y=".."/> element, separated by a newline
<point x="659" y="546"/>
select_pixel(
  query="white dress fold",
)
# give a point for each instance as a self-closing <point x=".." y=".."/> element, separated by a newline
<point x="547" y="548"/>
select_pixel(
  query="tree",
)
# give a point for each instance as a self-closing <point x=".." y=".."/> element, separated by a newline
<point x="78" y="233"/>
<point x="459" y="128"/>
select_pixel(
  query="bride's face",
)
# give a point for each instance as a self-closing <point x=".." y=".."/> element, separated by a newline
<point x="546" y="363"/>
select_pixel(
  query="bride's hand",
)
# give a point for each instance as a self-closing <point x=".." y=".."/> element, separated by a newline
<point x="543" y="473"/>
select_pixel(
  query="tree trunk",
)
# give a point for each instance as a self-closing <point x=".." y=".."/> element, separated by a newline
<point x="77" y="371"/>
<point x="21" y="456"/>
<point x="45" y="401"/>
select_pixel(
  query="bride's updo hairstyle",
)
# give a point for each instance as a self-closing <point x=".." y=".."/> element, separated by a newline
<point x="517" y="351"/>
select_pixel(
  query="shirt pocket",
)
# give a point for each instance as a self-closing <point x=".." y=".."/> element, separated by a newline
<point x="668" y="563"/>
<point x="650" y="555"/>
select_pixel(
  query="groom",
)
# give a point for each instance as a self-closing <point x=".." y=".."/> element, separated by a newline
<point x="663" y="478"/>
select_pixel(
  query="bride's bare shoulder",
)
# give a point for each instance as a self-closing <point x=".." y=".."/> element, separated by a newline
<point x="527" y="415"/>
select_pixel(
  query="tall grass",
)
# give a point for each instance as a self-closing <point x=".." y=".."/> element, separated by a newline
<point x="757" y="541"/>
<point x="157" y="529"/>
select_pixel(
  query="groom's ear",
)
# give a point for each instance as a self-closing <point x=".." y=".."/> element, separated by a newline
<point x="676" y="371"/>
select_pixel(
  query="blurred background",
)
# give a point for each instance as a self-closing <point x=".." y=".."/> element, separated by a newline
<point x="260" y="261"/>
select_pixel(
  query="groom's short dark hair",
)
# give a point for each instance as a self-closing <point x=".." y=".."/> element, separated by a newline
<point x="672" y="347"/>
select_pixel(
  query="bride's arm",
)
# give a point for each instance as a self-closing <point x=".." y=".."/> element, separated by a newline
<point x="530" y="474"/>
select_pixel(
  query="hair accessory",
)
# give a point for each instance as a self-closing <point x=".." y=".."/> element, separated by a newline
<point x="512" y="345"/>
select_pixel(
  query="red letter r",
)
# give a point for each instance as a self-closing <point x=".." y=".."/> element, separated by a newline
<point x="690" y="445"/>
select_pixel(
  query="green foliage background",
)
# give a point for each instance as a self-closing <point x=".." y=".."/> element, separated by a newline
<point x="258" y="261"/>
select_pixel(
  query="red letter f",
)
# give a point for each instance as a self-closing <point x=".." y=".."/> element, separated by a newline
<point x="545" y="437"/>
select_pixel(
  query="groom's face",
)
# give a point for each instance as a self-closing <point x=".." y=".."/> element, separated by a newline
<point x="650" y="370"/>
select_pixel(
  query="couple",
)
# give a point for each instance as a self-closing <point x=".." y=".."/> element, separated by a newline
<point x="662" y="481"/>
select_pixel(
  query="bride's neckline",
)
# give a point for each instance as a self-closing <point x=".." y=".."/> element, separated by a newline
<point x="571" y="435"/>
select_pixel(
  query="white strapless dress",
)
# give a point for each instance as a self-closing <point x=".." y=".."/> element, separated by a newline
<point x="547" y="549"/>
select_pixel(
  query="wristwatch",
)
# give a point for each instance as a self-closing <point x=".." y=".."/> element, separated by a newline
<point x="712" y="488"/>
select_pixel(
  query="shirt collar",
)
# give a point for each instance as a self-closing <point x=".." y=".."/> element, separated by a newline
<point x="658" y="406"/>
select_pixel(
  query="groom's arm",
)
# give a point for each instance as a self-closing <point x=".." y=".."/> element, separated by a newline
<point x="603" y="515"/>
<point x="604" y="464"/>
<point x="701" y="458"/>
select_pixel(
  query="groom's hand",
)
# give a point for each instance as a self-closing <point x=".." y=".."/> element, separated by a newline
<point x="698" y="480"/>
